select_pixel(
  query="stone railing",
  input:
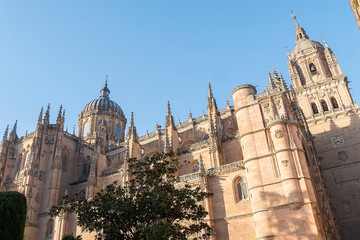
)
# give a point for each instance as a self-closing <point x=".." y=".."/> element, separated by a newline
<point x="226" y="168"/>
<point x="189" y="177"/>
<point x="192" y="147"/>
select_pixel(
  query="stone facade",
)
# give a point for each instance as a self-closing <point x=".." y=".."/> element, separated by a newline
<point x="355" y="6"/>
<point x="282" y="164"/>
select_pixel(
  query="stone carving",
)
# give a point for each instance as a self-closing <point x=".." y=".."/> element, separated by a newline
<point x="285" y="163"/>
<point x="342" y="155"/>
<point x="337" y="141"/>
<point x="278" y="134"/>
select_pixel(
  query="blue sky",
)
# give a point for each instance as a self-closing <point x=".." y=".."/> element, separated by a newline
<point x="59" y="52"/>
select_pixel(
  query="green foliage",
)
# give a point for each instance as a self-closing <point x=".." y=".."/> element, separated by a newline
<point x="148" y="206"/>
<point x="13" y="215"/>
<point x="71" y="237"/>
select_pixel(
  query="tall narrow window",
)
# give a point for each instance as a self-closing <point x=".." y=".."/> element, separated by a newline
<point x="334" y="103"/>
<point x="314" y="108"/>
<point x="118" y="131"/>
<point x="86" y="129"/>
<point x="240" y="190"/>
<point x="64" y="160"/>
<point x="27" y="157"/>
<point x="50" y="228"/>
<point x="312" y="69"/>
<point x="19" y="163"/>
<point x="324" y="105"/>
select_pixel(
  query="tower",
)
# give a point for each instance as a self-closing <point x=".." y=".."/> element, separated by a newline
<point x="355" y="6"/>
<point x="322" y="92"/>
<point x="103" y="119"/>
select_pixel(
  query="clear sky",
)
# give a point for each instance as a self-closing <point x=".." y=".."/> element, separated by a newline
<point x="59" y="52"/>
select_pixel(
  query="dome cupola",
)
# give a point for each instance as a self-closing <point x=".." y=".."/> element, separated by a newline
<point x="102" y="117"/>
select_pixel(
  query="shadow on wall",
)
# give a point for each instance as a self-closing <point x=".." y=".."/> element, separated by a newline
<point x="289" y="221"/>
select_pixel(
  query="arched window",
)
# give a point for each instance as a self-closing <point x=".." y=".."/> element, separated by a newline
<point x="312" y="69"/>
<point x="118" y="131"/>
<point x="50" y="228"/>
<point x="64" y="160"/>
<point x="86" y="170"/>
<point x="195" y="166"/>
<point x="240" y="189"/>
<point x="334" y="103"/>
<point x="314" y="108"/>
<point x="324" y="105"/>
<point x="27" y="157"/>
<point x="303" y="81"/>
<point x="86" y="129"/>
<point x="19" y="163"/>
<point x="300" y="35"/>
<point x="102" y="122"/>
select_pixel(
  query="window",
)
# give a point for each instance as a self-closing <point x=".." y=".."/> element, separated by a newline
<point x="240" y="190"/>
<point x="86" y="129"/>
<point x="27" y="157"/>
<point x="86" y="170"/>
<point x="19" y="163"/>
<point x="334" y="103"/>
<point x="118" y="131"/>
<point x="312" y="69"/>
<point x="324" y="105"/>
<point x="64" y="159"/>
<point x="314" y="108"/>
<point x="195" y="166"/>
<point x="50" y="228"/>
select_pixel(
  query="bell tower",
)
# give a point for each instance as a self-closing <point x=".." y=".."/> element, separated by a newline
<point x="322" y="92"/>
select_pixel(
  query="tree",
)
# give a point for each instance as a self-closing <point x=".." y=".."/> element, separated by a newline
<point x="13" y="215"/>
<point x="148" y="206"/>
<point x="71" y="237"/>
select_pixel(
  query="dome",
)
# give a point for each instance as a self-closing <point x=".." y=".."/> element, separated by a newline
<point x="103" y="103"/>
<point x="306" y="46"/>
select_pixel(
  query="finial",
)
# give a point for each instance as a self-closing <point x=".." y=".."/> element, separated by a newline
<point x="210" y="91"/>
<point x="190" y="114"/>
<point x="40" y="115"/>
<point x="73" y="130"/>
<point x="325" y="43"/>
<point x="105" y="90"/>
<point x="202" y="166"/>
<point x="168" y="108"/>
<point x="59" y="115"/>
<point x="294" y="17"/>
<point x="287" y="53"/>
<point x="132" y="119"/>
<point x="157" y="126"/>
<point x="147" y="133"/>
<point x="26" y="132"/>
<point x="106" y="80"/>
<point x="203" y="115"/>
<point x="179" y="122"/>
<point x="227" y="103"/>
<point x="47" y="115"/>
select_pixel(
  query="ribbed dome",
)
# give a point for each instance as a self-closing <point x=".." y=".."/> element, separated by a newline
<point x="103" y="103"/>
<point x="306" y="46"/>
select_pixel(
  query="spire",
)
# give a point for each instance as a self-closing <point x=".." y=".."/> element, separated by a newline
<point x="105" y="90"/>
<point x="211" y="104"/>
<point x="169" y="118"/>
<point x="325" y="43"/>
<point x="271" y="83"/>
<point x="283" y="83"/>
<point x="59" y="117"/>
<point x="288" y="54"/>
<point x="210" y="91"/>
<point x="5" y="134"/>
<point x="40" y="115"/>
<point x="227" y="104"/>
<point x="299" y="31"/>
<point x="168" y="108"/>
<point x="294" y="17"/>
<point x="63" y="116"/>
<point x="47" y="115"/>
<point x="132" y="128"/>
<point x="13" y="135"/>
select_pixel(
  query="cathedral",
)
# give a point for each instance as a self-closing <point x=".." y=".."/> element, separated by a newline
<point x="282" y="163"/>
